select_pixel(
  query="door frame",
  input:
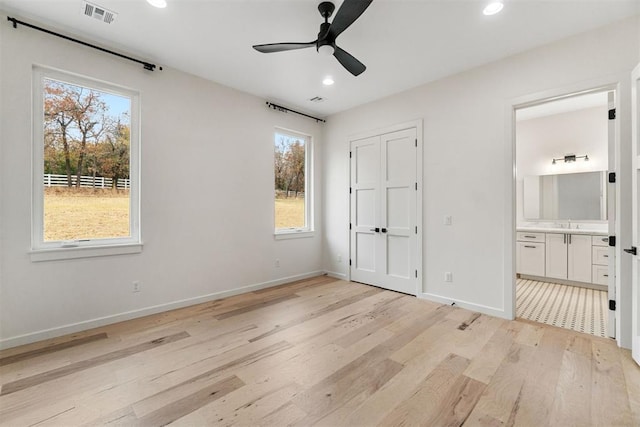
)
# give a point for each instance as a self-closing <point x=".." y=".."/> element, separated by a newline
<point x="599" y="85"/>
<point x="417" y="124"/>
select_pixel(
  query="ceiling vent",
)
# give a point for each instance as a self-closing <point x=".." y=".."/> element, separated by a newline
<point x="98" y="12"/>
<point x="316" y="99"/>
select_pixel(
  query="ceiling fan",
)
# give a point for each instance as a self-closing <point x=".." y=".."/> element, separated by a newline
<point x="326" y="41"/>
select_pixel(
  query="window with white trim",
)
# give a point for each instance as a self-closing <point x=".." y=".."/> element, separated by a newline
<point x="85" y="166"/>
<point x="292" y="171"/>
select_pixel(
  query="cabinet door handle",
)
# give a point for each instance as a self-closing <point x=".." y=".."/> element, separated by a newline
<point x="605" y="256"/>
<point x="605" y="239"/>
<point x="377" y="230"/>
<point x="531" y="247"/>
<point x="569" y="238"/>
<point x="530" y="237"/>
<point x="565" y="238"/>
<point x="605" y="275"/>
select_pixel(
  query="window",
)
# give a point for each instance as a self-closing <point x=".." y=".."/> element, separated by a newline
<point x="85" y="169"/>
<point x="292" y="155"/>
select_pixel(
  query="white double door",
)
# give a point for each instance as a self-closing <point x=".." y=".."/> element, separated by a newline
<point x="383" y="218"/>
<point x="635" y="293"/>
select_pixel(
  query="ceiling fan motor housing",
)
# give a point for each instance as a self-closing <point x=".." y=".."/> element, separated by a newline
<point x="326" y="9"/>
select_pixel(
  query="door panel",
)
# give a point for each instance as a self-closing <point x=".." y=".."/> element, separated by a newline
<point x="635" y="151"/>
<point x="579" y="258"/>
<point x="556" y="256"/>
<point x="383" y="211"/>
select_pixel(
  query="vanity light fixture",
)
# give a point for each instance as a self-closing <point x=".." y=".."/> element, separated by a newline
<point x="493" y="7"/>
<point x="570" y="158"/>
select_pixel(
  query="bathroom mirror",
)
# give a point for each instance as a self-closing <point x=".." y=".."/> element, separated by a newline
<point x="572" y="196"/>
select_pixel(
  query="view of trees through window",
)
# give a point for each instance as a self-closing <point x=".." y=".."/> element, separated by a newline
<point x="86" y="162"/>
<point x="290" y="157"/>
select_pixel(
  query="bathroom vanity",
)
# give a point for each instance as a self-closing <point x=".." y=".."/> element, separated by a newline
<point x="573" y="256"/>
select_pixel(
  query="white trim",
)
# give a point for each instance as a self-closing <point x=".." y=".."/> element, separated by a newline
<point x="133" y="314"/>
<point x="38" y="255"/>
<point x="297" y="233"/>
<point x="336" y="275"/>
<point x="38" y="245"/>
<point x="309" y="228"/>
<point x="607" y="83"/>
<point x="491" y="311"/>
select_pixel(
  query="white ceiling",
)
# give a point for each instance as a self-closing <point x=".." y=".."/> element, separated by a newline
<point x="403" y="43"/>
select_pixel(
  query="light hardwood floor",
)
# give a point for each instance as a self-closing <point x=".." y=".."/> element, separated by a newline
<point x="324" y="352"/>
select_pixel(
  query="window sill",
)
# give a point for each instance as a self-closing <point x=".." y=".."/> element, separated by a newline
<point x="294" y="234"/>
<point x="53" y="254"/>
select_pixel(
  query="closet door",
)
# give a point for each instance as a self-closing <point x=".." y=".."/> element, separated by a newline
<point x="383" y="211"/>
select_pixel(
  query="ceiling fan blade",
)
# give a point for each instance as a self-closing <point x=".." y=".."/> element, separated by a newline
<point x="346" y="15"/>
<point x="281" y="47"/>
<point x="352" y="65"/>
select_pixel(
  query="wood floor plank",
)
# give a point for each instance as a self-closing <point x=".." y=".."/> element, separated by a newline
<point x="18" y="357"/>
<point x="425" y="402"/>
<point x="324" y="352"/>
<point x="611" y="390"/>
<point x="22" y="384"/>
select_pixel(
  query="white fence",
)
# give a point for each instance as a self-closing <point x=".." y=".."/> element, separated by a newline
<point x="52" y="180"/>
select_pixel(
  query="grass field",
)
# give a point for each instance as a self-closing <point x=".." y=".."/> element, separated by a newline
<point x="289" y="213"/>
<point x="72" y="214"/>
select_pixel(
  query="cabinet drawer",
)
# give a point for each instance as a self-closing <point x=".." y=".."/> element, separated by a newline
<point x="530" y="258"/>
<point x="600" y="275"/>
<point x="523" y="236"/>
<point x="600" y="255"/>
<point x="600" y="240"/>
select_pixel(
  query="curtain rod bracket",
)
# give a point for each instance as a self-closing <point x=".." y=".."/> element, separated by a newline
<point x="287" y="110"/>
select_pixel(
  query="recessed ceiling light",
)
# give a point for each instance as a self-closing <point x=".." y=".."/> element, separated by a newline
<point x="492" y="8"/>
<point x="158" y="3"/>
<point x="328" y="81"/>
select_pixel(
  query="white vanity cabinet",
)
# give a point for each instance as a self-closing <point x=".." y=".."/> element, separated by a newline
<point x="569" y="257"/>
<point x="530" y="254"/>
<point x="573" y="257"/>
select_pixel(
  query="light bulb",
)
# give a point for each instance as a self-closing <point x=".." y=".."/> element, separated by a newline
<point x="328" y="81"/>
<point x="158" y="3"/>
<point x="326" y="49"/>
<point x="493" y="7"/>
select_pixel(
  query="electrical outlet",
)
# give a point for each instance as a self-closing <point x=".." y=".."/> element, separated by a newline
<point x="339" y="257"/>
<point x="135" y="286"/>
<point x="277" y="263"/>
<point x="448" y="276"/>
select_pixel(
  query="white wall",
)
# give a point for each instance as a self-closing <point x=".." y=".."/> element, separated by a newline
<point x="206" y="198"/>
<point x="468" y="159"/>
<point x="582" y="132"/>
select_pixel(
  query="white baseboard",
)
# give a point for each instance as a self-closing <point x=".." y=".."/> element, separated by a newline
<point x="491" y="311"/>
<point x="336" y="275"/>
<point x="107" y="320"/>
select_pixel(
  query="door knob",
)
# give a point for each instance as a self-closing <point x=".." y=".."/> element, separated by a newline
<point x="632" y="250"/>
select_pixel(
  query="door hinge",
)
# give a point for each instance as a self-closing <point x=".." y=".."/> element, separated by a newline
<point x="416" y="229"/>
<point x="612" y="305"/>
<point x="416" y="186"/>
<point x="416" y="142"/>
<point x="349" y="261"/>
<point x="350" y="190"/>
<point x="612" y="241"/>
<point x="416" y="274"/>
<point x="349" y="226"/>
<point x="612" y="114"/>
<point x="612" y="177"/>
<point x="349" y="154"/>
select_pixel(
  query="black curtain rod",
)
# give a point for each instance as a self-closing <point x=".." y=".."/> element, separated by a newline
<point x="285" y="110"/>
<point x="146" y="65"/>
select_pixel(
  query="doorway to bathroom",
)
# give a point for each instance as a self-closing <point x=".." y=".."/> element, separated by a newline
<point x="565" y="211"/>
